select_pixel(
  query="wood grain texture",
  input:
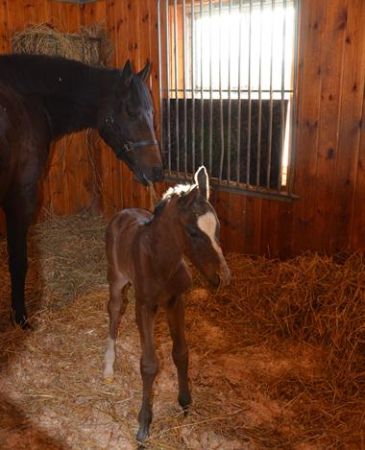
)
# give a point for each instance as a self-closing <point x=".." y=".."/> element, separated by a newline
<point x="329" y="166"/>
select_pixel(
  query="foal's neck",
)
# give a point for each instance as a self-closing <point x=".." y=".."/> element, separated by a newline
<point x="166" y="247"/>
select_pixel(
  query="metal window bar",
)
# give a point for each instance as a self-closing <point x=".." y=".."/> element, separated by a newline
<point x="238" y="147"/>
<point x="176" y="72"/>
<point x="210" y="93"/>
<point x="258" y="156"/>
<point x="221" y="99"/>
<point x="243" y="124"/>
<point x="184" y="84"/>
<point x="249" y="118"/>
<point x="192" y="81"/>
<point x="201" y="90"/>
<point x="229" y="103"/>
<point x="268" y="169"/>
<point x="282" y="106"/>
<point x="168" y="88"/>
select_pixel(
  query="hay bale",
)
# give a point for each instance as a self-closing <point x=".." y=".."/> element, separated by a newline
<point x="90" y="46"/>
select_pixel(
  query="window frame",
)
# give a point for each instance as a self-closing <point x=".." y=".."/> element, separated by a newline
<point x="168" y="85"/>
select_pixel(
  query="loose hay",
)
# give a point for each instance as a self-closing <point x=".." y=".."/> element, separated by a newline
<point x="277" y="358"/>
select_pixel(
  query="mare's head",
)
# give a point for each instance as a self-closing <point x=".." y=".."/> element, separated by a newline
<point x="125" y="123"/>
<point x="199" y="225"/>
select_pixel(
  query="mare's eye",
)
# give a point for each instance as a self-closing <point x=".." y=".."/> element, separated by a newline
<point x="132" y="114"/>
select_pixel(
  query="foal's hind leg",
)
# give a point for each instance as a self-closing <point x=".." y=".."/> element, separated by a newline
<point x="176" y="320"/>
<point x="145" y="317"/>
<point x="116" y="308"/>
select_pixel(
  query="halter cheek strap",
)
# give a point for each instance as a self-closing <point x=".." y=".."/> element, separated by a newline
<point x="128" y="146"/>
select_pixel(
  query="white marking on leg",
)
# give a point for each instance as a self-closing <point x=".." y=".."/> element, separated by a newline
<point x="109" y="359"/>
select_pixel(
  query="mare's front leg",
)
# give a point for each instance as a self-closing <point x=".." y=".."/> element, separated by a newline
<point x="176" y="321"/>
<point x="19" y="211"/>
<point x="145" y="317"/>
<point x="116" y="308"/>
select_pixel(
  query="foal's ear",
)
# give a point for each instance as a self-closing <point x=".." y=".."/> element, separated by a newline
<point x="201" y="178"/>
<point x="144" y="73"/>
<point x="127" y="73"/>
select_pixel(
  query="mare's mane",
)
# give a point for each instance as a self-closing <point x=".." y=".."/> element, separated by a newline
<point x="45" y="75"/>
<point x="70" y="91"/>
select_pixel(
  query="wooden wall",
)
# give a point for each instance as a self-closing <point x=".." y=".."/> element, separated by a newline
<point x="330" y="130"/>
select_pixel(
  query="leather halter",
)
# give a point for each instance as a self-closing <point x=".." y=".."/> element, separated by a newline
<point x="129" y="146"/>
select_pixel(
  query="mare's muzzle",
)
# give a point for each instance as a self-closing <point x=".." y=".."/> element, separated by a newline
<point x="144" y="172"/>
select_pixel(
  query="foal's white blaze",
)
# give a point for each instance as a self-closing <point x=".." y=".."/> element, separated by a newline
<point x="109" y="359"/>
<point x="208" y="224"/>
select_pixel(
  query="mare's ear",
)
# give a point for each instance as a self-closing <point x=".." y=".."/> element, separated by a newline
<point x="201" y="178"/>
<point x="127" y="73"/>
<point x="144" y="73"/>
<point x="188" y="199"/>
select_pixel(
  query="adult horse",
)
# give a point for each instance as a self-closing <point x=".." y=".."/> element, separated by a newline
<point x="43" y="98"/>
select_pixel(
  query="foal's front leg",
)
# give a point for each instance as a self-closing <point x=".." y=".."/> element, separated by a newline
<point x="116" y="308"/>
<point x="145" y="317"/>
<point x="176" y="320"/>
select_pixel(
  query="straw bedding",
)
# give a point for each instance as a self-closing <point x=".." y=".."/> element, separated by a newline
<point x="277" y="358"/>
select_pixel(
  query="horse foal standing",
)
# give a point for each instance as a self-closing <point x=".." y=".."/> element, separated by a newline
<point x="146" y="250"/>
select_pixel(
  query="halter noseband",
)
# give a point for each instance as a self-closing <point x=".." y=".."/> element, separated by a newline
<point x="128" y="146"/>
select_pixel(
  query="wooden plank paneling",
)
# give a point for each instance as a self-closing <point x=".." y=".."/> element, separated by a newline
<point x="330" y="129"/>
<point x="347" y="167"/>
<point x="311" y="33"/>
<point x="4" y="30"/>
<point x="331" y="67"/>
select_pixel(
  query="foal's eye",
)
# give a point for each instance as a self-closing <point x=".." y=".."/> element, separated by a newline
<point x="193" y="232"/>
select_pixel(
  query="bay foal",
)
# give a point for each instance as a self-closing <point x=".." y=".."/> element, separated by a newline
<point x="146" y="250"/>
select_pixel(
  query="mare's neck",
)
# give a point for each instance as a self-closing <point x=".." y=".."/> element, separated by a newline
<point x="70" y="92"/>
<point x="77" y="107"/>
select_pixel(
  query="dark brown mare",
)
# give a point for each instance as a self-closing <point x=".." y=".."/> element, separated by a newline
<point x="43" y="98"/>
<point x="146" y="250"/>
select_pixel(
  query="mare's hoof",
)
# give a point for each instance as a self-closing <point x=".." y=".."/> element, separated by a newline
<point x="185" y="402"/>
<point x="21" y="320"/>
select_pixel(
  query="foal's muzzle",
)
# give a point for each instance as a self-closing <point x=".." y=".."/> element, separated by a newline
<point x="225" y="274"/>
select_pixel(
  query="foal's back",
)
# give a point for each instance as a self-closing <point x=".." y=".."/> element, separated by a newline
<point x="123" y="241"/>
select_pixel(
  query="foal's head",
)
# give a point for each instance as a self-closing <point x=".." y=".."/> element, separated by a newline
<point x="199" y="228"/>
<point x="125" y="123"/>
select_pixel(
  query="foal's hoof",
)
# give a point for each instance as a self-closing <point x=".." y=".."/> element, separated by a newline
<point x="108" y="379"/>
<point x="20" y="320"/>
<point x="142" y="434"/>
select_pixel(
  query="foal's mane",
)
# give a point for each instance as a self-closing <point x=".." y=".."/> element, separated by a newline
<point x="176" y="191"/>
